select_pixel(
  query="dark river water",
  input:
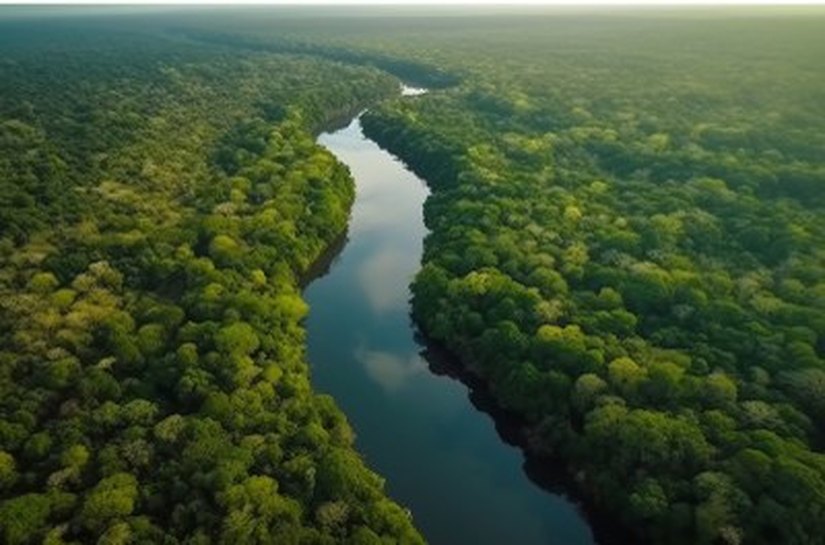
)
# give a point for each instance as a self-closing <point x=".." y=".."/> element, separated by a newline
<point x="441" y="456"/>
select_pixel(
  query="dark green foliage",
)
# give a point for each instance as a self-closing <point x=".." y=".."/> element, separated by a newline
<point x="159" y="203"/>
<point x="627" y="245"/>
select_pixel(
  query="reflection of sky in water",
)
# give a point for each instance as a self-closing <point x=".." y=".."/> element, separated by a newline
<point x="383" y="278"/>
<point x="375" y="208"/>
<point x="441" y="458"/>
<point x="389" y="370"/>
<point x="387" y="226"/>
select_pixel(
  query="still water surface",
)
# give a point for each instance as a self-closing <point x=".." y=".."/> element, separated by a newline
<point x="442" y="458"/>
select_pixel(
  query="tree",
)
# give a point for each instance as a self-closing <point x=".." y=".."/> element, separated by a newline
<point x="256" y="511"/>
<point x="585" y="391"/>
<point x="112" y="498"/>
<point x="225" y="250"/>
<point x="75" y="457"/>
<point x="23" y="517"/>
<point x="626" y="375"/>
<point x="239" y="338"/>
<point x="718" y="390"/>
<point x="648" y="500"/>
<point x="8" y="473"/>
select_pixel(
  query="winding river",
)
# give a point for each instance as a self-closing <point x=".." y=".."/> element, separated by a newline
<point x="441" y="456"/>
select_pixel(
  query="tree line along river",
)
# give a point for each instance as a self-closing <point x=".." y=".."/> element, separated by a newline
<point x="441" y="456"/>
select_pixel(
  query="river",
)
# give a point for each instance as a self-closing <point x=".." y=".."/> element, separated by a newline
<point x="441" y="456"/>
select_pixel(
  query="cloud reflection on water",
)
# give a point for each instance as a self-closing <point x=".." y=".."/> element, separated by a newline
<point x="389" y="370"/>
<point x="383" y="277"/>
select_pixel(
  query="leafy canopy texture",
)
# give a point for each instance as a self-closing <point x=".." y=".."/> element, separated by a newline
<point x="159" y="201"/>
<point x="627" y="243"/>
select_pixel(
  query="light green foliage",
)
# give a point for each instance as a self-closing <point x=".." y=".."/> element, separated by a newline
<point x="238" y="338"/>
<point x="224" y="250"/>
<point x="665" y="207"/>
<point x="626" y="242"/>
<point x="257" y="513"/>
<point x="159" y="200"/>
<point x="170" y="428"/>
<point x="117" y="534"/>
<point x="8" y="472"/>
<point x="112" y="497"/>
<point x="75" y="456"/>
<point x="151" y="339"/>
<point x="23" y="517"/>
<point x="43" y="282"/>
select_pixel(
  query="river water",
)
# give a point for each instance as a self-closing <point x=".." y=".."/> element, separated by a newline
<point x="441" y="456"/>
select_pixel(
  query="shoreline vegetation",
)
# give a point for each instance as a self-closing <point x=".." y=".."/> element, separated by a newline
<point x="593" y="254"/>
<point x="544" y="469"/>
<point x="159" y="206"/>
<point x="626" y="245"/>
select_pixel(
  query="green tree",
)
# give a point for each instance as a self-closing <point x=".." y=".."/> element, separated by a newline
<point x="112" y="498"/>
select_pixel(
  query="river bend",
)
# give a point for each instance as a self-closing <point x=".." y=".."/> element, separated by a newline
<point x="442" y="457"/>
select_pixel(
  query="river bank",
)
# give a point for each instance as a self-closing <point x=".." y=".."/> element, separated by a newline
<point x="442" y="457"/>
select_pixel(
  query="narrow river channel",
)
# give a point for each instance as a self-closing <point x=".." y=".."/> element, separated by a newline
<point x="442" y="457"/>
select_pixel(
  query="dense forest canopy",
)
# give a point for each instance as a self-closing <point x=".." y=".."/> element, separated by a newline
<point x="627" y="244"/>
<point x="159" y="202"/>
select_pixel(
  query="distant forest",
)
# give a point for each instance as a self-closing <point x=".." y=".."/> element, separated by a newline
<point x="627" y="246"/>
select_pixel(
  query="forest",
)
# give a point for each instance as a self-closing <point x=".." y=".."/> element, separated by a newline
<point x="159" y="203"/>
<point x="627" y="245"/>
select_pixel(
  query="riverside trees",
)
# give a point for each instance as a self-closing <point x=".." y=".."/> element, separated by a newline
<point x="159" y="203"/>
<point x="627" y="245"/>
